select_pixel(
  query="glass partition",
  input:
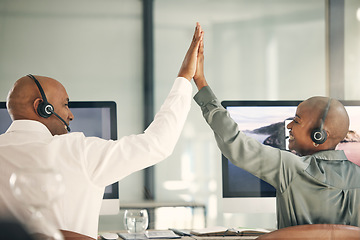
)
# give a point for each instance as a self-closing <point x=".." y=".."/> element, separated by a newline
<point x="352" y="49"/>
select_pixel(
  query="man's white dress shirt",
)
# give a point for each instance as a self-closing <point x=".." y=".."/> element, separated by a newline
<point x="88" y="164"/>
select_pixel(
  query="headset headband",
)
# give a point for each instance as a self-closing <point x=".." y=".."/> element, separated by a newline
<point x="325" y="114"/>
<point x="43" y="96"/>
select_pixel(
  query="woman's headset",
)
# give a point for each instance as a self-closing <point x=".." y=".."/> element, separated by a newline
<point x="319" y="135"/>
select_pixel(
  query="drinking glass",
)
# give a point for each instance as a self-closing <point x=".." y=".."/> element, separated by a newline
<point x="37" y="189"/>
<point x="136" y="220"/>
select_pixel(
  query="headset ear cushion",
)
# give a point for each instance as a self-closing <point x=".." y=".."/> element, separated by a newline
<point x="45" y="109"/>
<point x="318" y="136"/>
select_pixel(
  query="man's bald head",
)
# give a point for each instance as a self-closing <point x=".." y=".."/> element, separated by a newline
<point x="24" y="98"/>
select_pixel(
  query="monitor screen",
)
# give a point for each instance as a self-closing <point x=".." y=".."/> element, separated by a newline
<point x="266" y="121"/>
<point x="94" y="119"/>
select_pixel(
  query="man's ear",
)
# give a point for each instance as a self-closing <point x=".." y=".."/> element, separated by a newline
<point x="36" y="105"/>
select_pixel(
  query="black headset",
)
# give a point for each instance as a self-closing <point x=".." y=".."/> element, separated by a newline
<point x="319" y="135"/>
<point x="45" y="109"/>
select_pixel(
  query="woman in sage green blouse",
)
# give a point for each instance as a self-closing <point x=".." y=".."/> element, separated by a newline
<point x="316" y="185"/>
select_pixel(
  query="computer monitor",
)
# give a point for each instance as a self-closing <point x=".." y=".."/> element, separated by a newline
<point x="266" y="121"/>
<point x="93" y="118"/>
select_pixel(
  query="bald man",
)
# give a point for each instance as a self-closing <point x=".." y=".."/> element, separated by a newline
<point x="87" y="164"/>
<point x="24" y="99"/>
<point x="319" y="184"/>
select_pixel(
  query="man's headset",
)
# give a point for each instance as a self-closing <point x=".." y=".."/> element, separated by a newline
<point x="45" y="109"/>
<point x="319" y="135"/>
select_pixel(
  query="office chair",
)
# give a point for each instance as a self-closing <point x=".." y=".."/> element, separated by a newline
<point x="11" y="229"/>
<point x="315" y="231"/>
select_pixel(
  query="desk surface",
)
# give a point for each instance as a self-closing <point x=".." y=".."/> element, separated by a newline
<point x="220" y="238"/>
<point x="200" y="238"/>
<point x="156" y="204"/>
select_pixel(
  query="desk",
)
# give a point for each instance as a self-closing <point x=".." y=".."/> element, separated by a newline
<point x="150" y="206"/>
<point x="204" y="238"/>
<point x="221" y="238"/>
<point x="194" y="237"/>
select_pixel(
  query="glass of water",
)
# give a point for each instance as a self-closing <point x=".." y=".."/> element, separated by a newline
<point x="136" y="220"/>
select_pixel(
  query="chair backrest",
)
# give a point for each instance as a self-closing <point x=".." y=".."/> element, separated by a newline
<point x="315" y="231"/>
<point x="11" y="229"/>
<point x="69" y="235"/>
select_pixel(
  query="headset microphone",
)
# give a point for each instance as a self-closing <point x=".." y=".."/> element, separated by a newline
<point x="45" y="109"/>
<point x="57" y="115"/>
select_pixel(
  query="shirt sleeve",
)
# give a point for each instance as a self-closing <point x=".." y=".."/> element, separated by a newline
<point x="108" y="161"/>
<point x="245" y="152"/>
